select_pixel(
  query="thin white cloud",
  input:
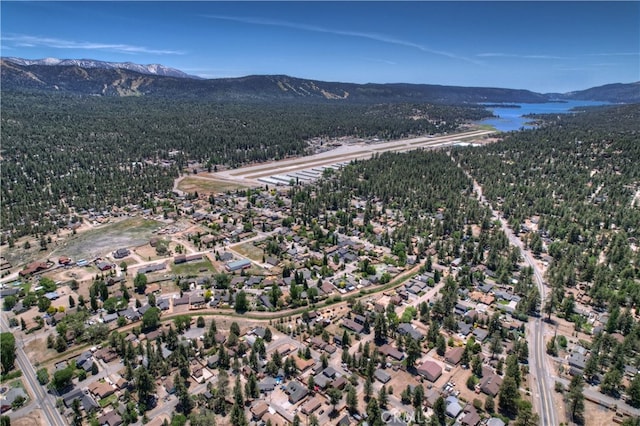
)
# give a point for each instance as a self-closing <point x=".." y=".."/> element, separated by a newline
<point x="614" y="54"/>
<point x="587" y="67"/>
<point x="314" y="28"/>
<point x="518" y="56"/>
<point x="35" y="41"/>
<point x="382" y="61"/>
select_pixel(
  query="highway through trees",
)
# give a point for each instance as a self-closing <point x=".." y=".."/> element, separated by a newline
<point x="539" y="371"/>
<point x="45" y="401"/>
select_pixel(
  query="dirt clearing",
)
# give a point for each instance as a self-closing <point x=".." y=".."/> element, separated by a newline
<point x="34" y="418"/>
<point x="207" y="185"/>
<point x="105" y="239"/>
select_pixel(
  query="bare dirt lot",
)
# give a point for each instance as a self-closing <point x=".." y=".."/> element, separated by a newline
<point x="207" y="184"/>
<point x="249" y="250"/>
<point x="34" y="418"/>
<point x="104" y="239"/>
<point x="37" y="351"/>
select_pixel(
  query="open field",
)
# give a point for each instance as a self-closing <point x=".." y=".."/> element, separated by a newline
<point x="192" y="268"/>
<point x="107" y="238"/>
<point x="249" y="250"/>
<point x="206" y="185"/>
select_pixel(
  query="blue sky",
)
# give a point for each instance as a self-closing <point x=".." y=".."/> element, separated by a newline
<point x="540" y="46"/>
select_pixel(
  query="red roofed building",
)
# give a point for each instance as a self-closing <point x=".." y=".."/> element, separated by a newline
<point x="430" y="370"/>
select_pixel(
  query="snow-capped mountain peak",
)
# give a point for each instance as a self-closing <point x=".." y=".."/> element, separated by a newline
<point x="152" y="69"/>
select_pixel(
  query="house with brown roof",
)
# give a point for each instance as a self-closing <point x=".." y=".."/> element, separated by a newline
<point x="169" y="385"/>
<point x="339" y="383"/>
<point x="184" y="300"/>
<point x="490" y="384"/>
<point x="153" y="335"/>
<point x="197" y="302"/>
<point x="112" y="418"/>
<point x="390" y="351"/>
<point x="471" y="416"/>
<point x="101" y="389"/>
<point x="303" y="364"/>
<point x="327" y="288"/>
<point x="454" y="355"/>
<point x="275" y="419"/>
<point x="350" y="324"/>
<point x="286" y="349"/>
<point x="430" y="370"/>
<point x="259" y="410"/>
<point x="32" y="268"/>
<point x="152" y="288"/>
<point x="105" y="354"/>
<point x="312" y="405"/>
<point x="317" y="342"/>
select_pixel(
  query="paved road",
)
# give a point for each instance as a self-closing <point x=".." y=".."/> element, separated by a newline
<point x="543" y="389"/>
<point x="43" y="400"/>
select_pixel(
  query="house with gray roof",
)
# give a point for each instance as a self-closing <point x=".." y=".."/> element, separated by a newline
<point x="453" y="406"/>
<point x="381" y="376"/>
<point x="577" y="360"/>
<point x="407" y="329"/>
<point x="296" y="391"/>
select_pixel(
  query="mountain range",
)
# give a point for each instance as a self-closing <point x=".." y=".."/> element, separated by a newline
<point x="89" y="77"/>
<point x="151" y="69"/>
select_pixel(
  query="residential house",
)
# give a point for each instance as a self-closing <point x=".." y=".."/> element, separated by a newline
<point x="296" y="391"/>
<point x="104" y="265"/>
<point x="454" y="355"/>
<point x="453" y="406"/>
<point x="471" y="416"/>
<point x="381" y="376"/>
<point x="495" y="421"/>
<point x="303" y="364"/>
<point x="407" y="329"/>
<point x="352" y="325"/>
<point x="9" y="398"/>
<point x="480" y="334"/>
<point x="490" y="384"/>
<point x="577" y="360"/>
<point x="121" y="253"/>
<point x="259" y="410"/>
<point x="312" y="405"/>
<point x="101" y="389"/>
<point x="430" y="370"/>
<point x="112" y="418"/>
<point x="390" y="351"/>
<point x="267" y="384"/>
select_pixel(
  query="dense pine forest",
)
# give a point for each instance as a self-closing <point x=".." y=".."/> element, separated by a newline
<point x="570" y="188"/>
<point x="578" y="174"/>
<point x="579" y="177"/>
<point x="63" y="151"/>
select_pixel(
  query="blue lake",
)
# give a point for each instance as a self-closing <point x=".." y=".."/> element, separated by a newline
<point x="509" y="119"/>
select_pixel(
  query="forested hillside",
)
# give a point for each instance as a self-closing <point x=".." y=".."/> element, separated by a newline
<point x="121" y="82"/>
<point x="61" y="151"/>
